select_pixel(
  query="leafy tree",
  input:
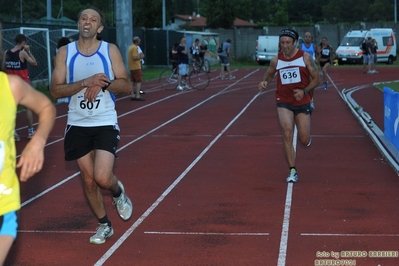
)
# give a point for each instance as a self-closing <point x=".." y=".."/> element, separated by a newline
<point x="147" y="13"/>
<point x="222" y="13"/>
<point x="281" y="15"/>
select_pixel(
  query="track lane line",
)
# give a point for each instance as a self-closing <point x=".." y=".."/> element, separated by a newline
<point x="128" y="232"/>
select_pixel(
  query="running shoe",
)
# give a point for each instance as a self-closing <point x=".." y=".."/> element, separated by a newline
<point x="104" y="231"/>
<point x="232" y="77"/>
<point x="293" y="177"/>
<point x="31" y="132"/>
<point x="325" y="85"/>
<point x="123" y="204"/>
<point x="180" y="88"/>
<point x="16" y="136"/>
<point x="187" y="87"/>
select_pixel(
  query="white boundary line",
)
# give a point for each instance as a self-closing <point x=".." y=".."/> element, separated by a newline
<point x="55" y="232"/>
<point x="287" y="212"/>
<point x="128" y="232"/>
<point x="352" y="235"/>
<point x="142" y="136"/>
<point x="205" y="233"/>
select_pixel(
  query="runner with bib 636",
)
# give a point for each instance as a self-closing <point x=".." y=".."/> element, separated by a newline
<point x="297" y="77"/>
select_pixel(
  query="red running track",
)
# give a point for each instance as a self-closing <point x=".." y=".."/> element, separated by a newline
<point x="206" y="173"/>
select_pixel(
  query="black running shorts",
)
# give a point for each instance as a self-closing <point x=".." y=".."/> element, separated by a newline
<point x="79" y="141"/>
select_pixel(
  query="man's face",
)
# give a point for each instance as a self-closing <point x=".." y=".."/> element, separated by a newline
<point x="287" y="45"/>
<point x="89" y="23"/>
<point x="307" y="38"/>
<point x="183" y="41"/>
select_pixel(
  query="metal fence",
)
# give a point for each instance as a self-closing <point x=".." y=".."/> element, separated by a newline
<point x="43" y="43"/>
<point x="156" y="43"/>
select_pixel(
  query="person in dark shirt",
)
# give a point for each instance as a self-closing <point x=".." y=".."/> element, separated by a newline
<point x="16" y="62"/>
<point x="183" y="64"/>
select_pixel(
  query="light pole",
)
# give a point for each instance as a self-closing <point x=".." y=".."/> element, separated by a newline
<point x="20" y="10"/>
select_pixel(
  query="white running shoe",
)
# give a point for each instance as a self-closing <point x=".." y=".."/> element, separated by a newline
<point x="103" y="232"/>
<point x="180" y="88"/>
<point x="123" y="204"/>
<point x="293" y="177"/>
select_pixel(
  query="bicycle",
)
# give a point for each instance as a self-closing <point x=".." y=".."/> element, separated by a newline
<point x="169" y="79"/>
<point x="197" y="79"/>
<point x="204" y="65"/>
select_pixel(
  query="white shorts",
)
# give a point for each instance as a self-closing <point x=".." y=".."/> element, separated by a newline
<point x="183" y="69"/>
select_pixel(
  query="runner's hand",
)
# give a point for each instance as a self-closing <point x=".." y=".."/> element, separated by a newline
<point x="262" y="85"/>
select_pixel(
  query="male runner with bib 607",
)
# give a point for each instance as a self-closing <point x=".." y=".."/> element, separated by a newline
<point x="297" y="77"/>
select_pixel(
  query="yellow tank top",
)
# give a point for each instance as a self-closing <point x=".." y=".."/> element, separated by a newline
<point x="133" y="51"/>
<point x="9" y="183"/>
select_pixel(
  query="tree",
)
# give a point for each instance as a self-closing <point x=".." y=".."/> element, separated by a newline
<point x="222" y="13"/>
<point x="281" y="15"/>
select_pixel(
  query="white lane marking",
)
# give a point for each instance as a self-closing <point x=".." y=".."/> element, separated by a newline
<point x="287" y="212"/>
<point x="206" y="233"/>
<point x="55" y="232"/>
<point x="352" y="235"/>
<point x="77" y="173"/>
<point x="128" y="232"/>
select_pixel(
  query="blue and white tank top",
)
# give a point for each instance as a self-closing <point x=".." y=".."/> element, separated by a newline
<point x="310" y="50"/>
<point x="79" y="66"/>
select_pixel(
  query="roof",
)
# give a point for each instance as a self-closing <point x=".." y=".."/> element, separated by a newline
<point x="198" y="21"/>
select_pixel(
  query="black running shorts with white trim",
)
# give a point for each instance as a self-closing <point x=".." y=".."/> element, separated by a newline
<point x="306" y="108"/>
<point x="79" y="141"/>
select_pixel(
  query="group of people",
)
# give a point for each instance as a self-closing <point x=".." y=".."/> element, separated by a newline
<point x="180" y="58"/>
<point x="89" y="72"/>
<point x="323" y="54"/>
<point x="369" y="48"/>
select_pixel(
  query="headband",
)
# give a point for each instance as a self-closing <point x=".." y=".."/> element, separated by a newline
<point x="290" y="33"/>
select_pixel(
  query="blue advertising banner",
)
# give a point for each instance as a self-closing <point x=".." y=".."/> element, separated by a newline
<point x="391" y="116"/>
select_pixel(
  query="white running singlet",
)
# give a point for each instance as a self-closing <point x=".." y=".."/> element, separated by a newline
<point x="83" y="113"/>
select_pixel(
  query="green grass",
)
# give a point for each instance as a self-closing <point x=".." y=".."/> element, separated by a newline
<point x="393" y="85"/>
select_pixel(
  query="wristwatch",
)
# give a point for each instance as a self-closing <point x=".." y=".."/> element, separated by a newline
<point x="305" y="92"/>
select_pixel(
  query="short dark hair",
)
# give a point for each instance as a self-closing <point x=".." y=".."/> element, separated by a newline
<point x="20" y="38"/>
<point x="228" y="40"/>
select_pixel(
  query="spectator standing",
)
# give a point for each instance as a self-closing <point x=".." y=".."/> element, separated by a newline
<point x="174" y="57"/>
<point x="91" y="72"/>
<point x="224" y="56"/>
<point x="374" y="48"/>
<point x="297" y="76"/>
<point x="195" y="51"/>
<point x="134" y="63"/>
<point x="367" y="55"/>
<point x="16" y="62"/>
<point x="183" y="65"/>
<point x="203" y="49"/>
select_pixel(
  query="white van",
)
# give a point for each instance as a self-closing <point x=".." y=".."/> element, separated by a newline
<point x="267" y="46"/>
<point x="386" y="43"/>
<point x="349" y="50"/>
